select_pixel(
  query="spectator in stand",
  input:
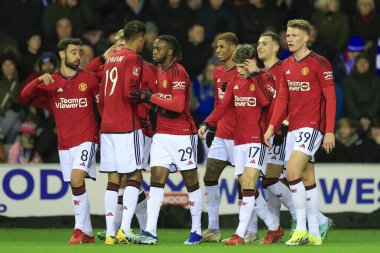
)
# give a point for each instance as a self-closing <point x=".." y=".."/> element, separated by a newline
<point x="284" y="52"/>
<point x="204" y="93"/>
<point x="347" y="144"/>
<point x="23" y="150"/>
<point x="31" y="53"/>
<point x="293" y="9"/>
<point x="195" y="51"/>
<point x="217" y="16"/>
<point x="150" y="36"/>
<point x="366" y="22"/>
<point x="79" y="12"/>
<point x="314" y="43"/>
<point x="87" y="55"/>
<point x="254" y="17"/>
<point x="370" y="150"/>
<point x="64" y="29"/>
<point x="344" y="63"/>
<point x="19" y="17"/>
<point x="362" y="90"/>
<point x="332" y="25"/>
<point x="10" y="110"/>
<point x="174" y="18"/>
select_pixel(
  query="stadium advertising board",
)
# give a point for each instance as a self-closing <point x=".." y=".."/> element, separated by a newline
<point x="38" y="190"/>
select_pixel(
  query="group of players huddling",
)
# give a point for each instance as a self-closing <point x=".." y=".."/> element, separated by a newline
<point x="264" y="120"/>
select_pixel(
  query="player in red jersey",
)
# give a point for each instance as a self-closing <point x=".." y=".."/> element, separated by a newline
<point x="276" y="192"/>
<point x="121" y="136"/>
<point x="71" y="92"/>
<point x="307" y="89"/>
<point x="222" y="146"/>
<point x="248" y="96"/>
<point x="175" y="141"/>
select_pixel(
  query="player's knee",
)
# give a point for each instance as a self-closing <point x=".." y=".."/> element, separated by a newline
<point x="192" y="188"/>
<point x="136" y="176"/>
<point x="133" y="183"/>
<point x="113" y="178"/>
<point x="76" y="182"/>
<point x="266" y="182"/>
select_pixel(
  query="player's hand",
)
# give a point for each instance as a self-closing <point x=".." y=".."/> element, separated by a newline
<point x="268" y="135"/>
<point x="141" y="96"/>
<point x="251" y="65"/>
<point x="329" y="142"/>
<point x="210" y="136"/>
<point x="109" y="51"/>
<point x="280" y="136"/>
<point x="47" y="79"/>
<point x="202" y="130"/>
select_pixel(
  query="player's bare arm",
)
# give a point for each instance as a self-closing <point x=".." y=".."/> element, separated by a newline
<point x="268" y="135"/>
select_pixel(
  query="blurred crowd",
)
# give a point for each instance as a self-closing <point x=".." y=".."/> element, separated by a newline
<point x="347" y="32"/>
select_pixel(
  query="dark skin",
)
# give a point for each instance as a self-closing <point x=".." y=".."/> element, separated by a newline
<point x="163" y="54"/>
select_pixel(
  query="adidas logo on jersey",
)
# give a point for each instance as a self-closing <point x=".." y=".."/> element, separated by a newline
<point x="60" y="89"/>
<point x="82" y="164"/>
<point x="302" y="146"/>
<point x="253" y="161"/>
<point x="190" y="163"/>
<point x="288" y="72"/>
<point x="236" y="87"/>
<point x="273" y="157"/>
<point x="109" y="214"/>
<point x="218" y="80"/>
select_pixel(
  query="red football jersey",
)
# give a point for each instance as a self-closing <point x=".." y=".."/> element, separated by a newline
<point x="275" y="71"/>
<point x="149" y="81"/>
<point x="304" y="86"/>
<point x="226" y="125"/>
<point x="248" y="98"/>
<point x="122" y="74"/>
<point x="72" y="100"/>
<point x="171" y="82"/>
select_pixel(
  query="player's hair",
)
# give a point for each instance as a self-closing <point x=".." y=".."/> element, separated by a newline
<point x="228" y="37"/>
<point x="275" y="37"/>
<point x="64" y="43"/>
<point x="134" y="29"/>
<point x="173" y="44"/>
<point x="244" y="52"/>
<point x="300" y="24"/>
<point x="346" y="122"/>
<point x="119" y="35"/>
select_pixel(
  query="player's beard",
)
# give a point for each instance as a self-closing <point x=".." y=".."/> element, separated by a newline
<point x="71" y="65"/>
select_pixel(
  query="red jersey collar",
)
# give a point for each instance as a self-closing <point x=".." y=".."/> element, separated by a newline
<point x="294" y="58"/>
<point x="163" y="70"/>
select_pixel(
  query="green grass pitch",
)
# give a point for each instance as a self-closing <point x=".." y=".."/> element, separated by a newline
<point x="55" y="241"/>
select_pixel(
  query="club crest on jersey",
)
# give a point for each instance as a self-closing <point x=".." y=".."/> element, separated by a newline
<point x="305" y="71"/>
<point x="82" y="87"/>
<point x="165" y="84"/>
<point x="252" y="87"/>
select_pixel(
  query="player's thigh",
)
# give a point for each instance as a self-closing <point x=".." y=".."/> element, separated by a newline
<point x="218" y="150"/>
<point x="214" y="169"/>
<point x="65" y="161"/>
<point x="159" y="175"/>
<point x="83" y="159"/>
<point x="308" y="176"/>
<point x="190" y="177"/>
<point x="129" y="151"/>
<point x="249" y="178"/>
<point x="159" y="153"/>
<point x="273" y="170"/>
<point x="296" y="165"/>
<point x="183" y="151"/>
<point x="251" y="155"/>
<point x="114" y="177"/>
<point x="147" y="145"/>
<point x="107" y="154"/>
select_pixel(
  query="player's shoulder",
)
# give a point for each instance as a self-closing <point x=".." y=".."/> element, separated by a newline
<point x="177" y="69"/>
<point x="149" y="67"/>
<point x="318" y="59"/>
<point x="265" y="76"/>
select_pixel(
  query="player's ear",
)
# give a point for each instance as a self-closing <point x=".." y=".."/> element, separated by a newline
<point x="62" y="55"/>
<point x="170" y="52"/>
